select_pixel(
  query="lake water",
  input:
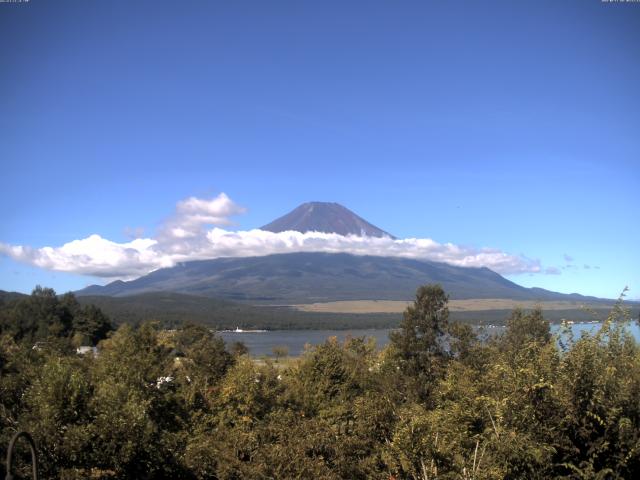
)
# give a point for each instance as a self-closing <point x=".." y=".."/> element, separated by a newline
<point x="262" y="343"/>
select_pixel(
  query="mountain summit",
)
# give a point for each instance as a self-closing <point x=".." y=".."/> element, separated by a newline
<point x="325" y="217"/>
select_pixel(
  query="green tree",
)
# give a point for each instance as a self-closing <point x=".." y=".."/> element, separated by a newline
<point x="57" y="413"/>
<point x="37" y="317"/>
<point x="420" y="345"/>
<point x="45" y="317"/>
<point x="526" y="327"/>
<point x="138" y="418"/>
<point x="599" y="434"/>
<point x="200" y="362"/>
<point x="92" y="324"/>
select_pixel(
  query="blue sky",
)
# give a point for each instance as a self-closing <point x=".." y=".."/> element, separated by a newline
<point x="512" y="126"/>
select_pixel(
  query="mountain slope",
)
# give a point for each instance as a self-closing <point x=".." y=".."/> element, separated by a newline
<point x="321" y="277"/>
<point x="325" y="217"/>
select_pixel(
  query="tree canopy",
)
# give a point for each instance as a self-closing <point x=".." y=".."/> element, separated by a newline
<point x="436" y="403"/>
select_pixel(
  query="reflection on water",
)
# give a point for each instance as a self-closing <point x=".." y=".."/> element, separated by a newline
<point x="262" y="343"/>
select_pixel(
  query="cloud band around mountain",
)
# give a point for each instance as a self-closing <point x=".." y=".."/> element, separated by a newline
<point x="187" y="236"/>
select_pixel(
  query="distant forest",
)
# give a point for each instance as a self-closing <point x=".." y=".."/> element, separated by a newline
<point x="435" y="403"/>
<point x="173" y="309"/>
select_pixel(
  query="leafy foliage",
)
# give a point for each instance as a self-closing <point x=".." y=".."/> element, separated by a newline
<point x="436" y="403"/>
<point x="44" y="316"/>
<point x="420" y="344"/>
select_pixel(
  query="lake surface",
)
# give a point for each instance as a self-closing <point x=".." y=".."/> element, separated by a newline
<point x="262" y="343"/>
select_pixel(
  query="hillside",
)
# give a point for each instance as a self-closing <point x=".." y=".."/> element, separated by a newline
<point x="322" y="277"/>
<point x="6" y="297"/>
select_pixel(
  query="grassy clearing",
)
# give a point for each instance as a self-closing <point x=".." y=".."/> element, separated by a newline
<point x="469" y="305"/>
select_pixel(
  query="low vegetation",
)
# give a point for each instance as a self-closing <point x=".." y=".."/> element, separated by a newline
<point x="436" y="403"/>
<point x="466" y="305"/>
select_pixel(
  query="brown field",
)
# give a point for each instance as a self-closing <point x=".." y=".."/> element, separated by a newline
<point x="469" y="305"/>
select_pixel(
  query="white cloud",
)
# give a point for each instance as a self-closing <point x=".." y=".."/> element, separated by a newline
<point x="93" y="255"/>
<point x="186" y="236"/>
<point x="259" y="242"/>
<point x="194" y="213"/>
<point x="186" y="229"/>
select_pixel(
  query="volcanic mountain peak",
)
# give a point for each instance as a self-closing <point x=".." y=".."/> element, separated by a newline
<point x="325" y="217"/>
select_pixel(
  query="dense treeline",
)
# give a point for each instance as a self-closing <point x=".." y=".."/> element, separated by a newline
<point x="46" y="316"/>
<point x="434" y="404"/>
<point x="171" y="309"/>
